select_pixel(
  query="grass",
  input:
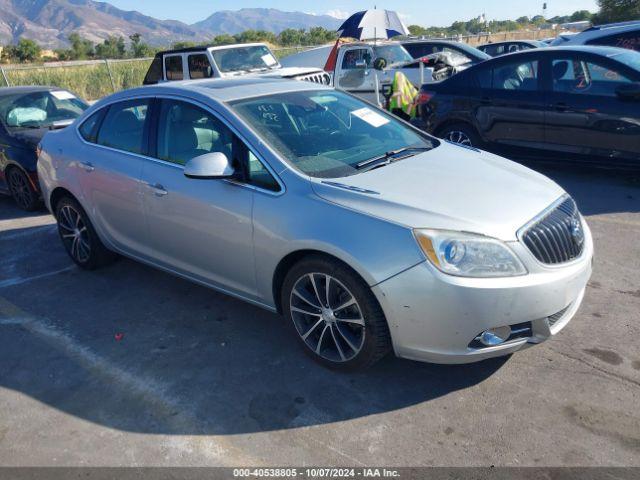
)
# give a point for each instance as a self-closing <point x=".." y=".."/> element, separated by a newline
<point x="90" y="82"/>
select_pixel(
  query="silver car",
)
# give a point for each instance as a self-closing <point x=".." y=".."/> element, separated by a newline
<point x="366" y="234"/>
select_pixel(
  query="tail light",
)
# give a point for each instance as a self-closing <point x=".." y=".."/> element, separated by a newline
<point x="424" y="97"/>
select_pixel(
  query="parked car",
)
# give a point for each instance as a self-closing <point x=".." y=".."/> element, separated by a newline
<point x="308" y="201"/>
<point x="466" y="54"/>
<point x="623" y="35"/>
<point x="225" y="61"/>
<point x="566" y="103"/>
<point x="26" y="114"/>
<point x="500" y="48"/>
<point x="366" y="68"/>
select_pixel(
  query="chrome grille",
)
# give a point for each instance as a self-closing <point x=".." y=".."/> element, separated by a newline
<point x="557" y="237"/>
<point x="322" y="78"/>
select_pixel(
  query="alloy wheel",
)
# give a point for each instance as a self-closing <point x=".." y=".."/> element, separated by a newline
<point x="20" y="189"/>
<point x="74" y="233"/>
<point x="327" y="317"/>
<point x="456" y="136"/>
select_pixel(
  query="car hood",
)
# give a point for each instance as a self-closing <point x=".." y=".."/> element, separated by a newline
<point x="449" y="187"/>
<point x="288" y="72"/>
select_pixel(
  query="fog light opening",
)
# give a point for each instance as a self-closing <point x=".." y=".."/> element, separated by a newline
<point x="494" y="336"/>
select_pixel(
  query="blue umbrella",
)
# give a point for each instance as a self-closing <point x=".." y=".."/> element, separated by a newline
<point x="373" y="24"/>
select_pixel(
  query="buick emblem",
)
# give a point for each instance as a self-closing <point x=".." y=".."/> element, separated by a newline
<point x="576" y="231"/>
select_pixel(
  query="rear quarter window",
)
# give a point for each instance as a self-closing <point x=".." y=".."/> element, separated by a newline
<point x="628" y="40"/>
<point x="89" y="128"/>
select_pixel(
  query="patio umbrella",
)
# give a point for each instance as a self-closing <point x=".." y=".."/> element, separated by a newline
<point x="373" y="24"/>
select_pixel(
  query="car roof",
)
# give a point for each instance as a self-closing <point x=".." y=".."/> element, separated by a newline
<point x="596" y="49"/>
<point x="27" y="89"/>
<point x="225" y="89"/>
<point x="202" y="48"/>
<point x="506" y="42"/>
<point x="598" y="31"/>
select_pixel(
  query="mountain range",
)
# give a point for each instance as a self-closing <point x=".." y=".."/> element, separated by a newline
<point x="49" y="22"/>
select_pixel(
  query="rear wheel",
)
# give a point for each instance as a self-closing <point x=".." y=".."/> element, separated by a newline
<point x="79" y="237"/>
<point x="461" y="134"/>
<point x="21" y="190"/>
<point x="334" y="314"/>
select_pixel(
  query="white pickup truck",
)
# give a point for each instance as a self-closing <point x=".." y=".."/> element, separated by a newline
<point x="364" y="68"/>
<point x="226" y="61"/>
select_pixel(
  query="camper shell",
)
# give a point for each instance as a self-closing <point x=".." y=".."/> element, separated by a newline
<point x="225" y="61"/>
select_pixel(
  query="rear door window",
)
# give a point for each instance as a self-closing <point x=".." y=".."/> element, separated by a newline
<point x="124" y="126"/>
<point x="173" y="67"/>
<point x="577" y="76"/>
<point x="199" y="66"/>
<point x="89" y="128"/>
<point x="516" y="76"/>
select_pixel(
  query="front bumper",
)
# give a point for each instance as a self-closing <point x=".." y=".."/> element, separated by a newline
<point x="434" y="317"/>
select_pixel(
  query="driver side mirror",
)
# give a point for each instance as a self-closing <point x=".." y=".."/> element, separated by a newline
<point x="629" y="91"/>
<point x="213" y="165"/>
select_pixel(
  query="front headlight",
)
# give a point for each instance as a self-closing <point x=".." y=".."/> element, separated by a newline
<point x="468" y="255"/>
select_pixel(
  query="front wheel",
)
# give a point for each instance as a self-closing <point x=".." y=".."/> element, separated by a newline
<point x="21" y="190"/>
<point x="79" y="237"/>
<point x="461" y="134"/>
<point x="334" y="314"/>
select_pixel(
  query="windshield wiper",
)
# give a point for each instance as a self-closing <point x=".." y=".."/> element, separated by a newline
<point x="389" y="157"/>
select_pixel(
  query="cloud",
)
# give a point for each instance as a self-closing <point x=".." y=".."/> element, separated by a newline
<point x="341" y="14"/>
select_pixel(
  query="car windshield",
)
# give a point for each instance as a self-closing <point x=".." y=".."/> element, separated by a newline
<point x="239" y="59"/>
<point x="630" y="58"/>
<point x="472" y="51"/>
<point x="327" y="134"/>
<point x="392" y="53"/>
<point x="40" y="109"/>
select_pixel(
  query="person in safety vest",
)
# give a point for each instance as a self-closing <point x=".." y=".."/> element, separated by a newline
<point x="403" y="97"/>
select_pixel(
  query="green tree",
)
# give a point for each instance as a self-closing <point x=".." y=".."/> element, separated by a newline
<point x="81" y="48"/>
<point x="580" y="16"/>
<point x="24" y="51"/>
<point x="138" y="48"/>
<point x="111" y="47"/>
<point x="291" y="37"/>
<point x="224" y="39"/>
<point x="617" y="11"/>
<point x="181" y="45"/>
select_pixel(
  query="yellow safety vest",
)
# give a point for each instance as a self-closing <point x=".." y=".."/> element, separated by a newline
<point x="404" y="95"/>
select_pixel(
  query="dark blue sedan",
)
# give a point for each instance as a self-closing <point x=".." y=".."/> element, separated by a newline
<point x="26" y="114"/>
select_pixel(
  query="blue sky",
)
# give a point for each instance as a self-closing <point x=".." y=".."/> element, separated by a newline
<point x="422" y="12"/>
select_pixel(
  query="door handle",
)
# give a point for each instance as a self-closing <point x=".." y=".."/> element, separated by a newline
<point x="158" y="190"/>
<point x="561" y="107"/>
<point x="485" y="100"/>
<point x="87" y="166"/>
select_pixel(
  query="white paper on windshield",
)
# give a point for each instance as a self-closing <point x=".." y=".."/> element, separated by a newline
<point x="269" y="60"/>
<point x="63" y="95"/>
<point x="372" y="118"/>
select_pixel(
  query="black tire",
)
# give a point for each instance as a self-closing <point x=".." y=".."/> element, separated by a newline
<point x="78" y="236"/>
<point x="372" y="338"/>
<point x="21" y="190"/>
<point x="457" y="132"/>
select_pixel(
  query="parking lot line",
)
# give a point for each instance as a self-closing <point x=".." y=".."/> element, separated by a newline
<point x="154" y="394"/>
<point x="19" y="280"/>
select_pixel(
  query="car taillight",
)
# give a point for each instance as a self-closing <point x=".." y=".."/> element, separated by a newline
<point x="424" y="97"/>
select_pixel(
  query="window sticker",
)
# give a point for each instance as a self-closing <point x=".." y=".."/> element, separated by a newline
<point x="63" y="95"/>
<point x="372" y="118"/>
<point x="268" y="60"/>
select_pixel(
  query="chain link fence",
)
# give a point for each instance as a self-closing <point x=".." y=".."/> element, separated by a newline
<point x="91" y="79"/>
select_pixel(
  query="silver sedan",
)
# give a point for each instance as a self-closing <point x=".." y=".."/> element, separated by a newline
<point x="366" y="234"/>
